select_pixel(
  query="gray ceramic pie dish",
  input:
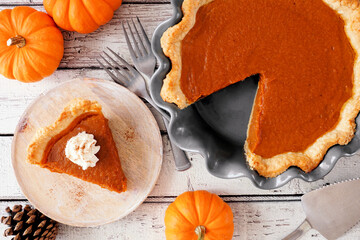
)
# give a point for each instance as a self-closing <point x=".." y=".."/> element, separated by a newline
<point x="216" y="125"/>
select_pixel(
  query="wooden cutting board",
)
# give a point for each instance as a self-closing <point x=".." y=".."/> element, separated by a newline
<point x="72" y="201"/>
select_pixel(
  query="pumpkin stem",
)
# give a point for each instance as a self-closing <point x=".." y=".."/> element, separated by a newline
<point x="19" y="41"/>
<point x="200" y="231"/>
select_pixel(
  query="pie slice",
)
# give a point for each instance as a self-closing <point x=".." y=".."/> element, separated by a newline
<point x="306" y="55"/>
<point x="47" y="149"/>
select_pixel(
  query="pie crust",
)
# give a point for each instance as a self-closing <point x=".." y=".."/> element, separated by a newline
<point x="309" y="159"/>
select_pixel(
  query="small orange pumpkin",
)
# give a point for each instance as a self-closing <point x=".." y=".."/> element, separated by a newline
<point x="83" y="16"/>
<point x="199" y="215"/>
<point x="31" y="46"/>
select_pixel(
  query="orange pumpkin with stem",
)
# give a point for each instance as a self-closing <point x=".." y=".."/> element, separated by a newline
<point x="83" y="16"/>
<point x="199" y="215"/>
<point x="31" y="46"/>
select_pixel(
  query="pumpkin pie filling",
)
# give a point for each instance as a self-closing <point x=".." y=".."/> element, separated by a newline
<point x="48" y="147"/>
<point x="96" y="125"/>
<point x="299" y="49"/>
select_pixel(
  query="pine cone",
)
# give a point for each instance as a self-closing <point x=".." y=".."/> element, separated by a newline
<point x="29" y="224"/>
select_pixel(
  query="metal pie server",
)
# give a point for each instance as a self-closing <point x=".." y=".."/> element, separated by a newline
<point x="331" y="210"/>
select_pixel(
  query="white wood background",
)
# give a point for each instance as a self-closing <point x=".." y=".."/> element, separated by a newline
<point x="259" y="214"/>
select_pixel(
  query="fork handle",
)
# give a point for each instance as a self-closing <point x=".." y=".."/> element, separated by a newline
<point x="163" y="113"/>
<point x="182" y="162"/>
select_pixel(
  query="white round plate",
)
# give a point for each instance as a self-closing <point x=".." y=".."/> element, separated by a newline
<point x="70" y="200"/>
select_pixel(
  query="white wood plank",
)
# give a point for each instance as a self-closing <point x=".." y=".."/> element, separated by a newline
<point x="16" y="96"/>
<point x="82" y="50"/>
<point x="172" y="183"/>
<point x="261" y="220"/>
<point x="16" y="2"/>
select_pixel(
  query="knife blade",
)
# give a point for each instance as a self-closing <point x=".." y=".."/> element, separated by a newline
<point x="331" y="210"/>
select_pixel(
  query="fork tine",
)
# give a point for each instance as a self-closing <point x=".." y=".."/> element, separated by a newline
<point x="123" y="71"/>
<point x="139" y="37"/>
<point x="120" y="77"/>
<point x="113" y="77"/>
<point x="147" y="42"/>
<point x="132" y="52"/>
<point x="136" y="45"/>
<point x="109" y="72"/>
<point x="127" y="65"/>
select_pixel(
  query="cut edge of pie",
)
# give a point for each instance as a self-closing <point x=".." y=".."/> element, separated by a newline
<point x="342" y="133"/>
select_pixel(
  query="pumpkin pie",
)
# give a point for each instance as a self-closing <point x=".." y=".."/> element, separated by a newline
<point x="47" y="148"/>
<point x="306" y="56"/>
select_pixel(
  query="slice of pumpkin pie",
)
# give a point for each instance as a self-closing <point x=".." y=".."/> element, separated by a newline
<point x="80" y="144"/>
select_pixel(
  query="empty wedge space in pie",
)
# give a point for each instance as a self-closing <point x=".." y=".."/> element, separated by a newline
<point x="305" y="53"/>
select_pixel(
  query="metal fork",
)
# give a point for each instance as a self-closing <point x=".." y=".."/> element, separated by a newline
<point x="130" y="78"/>
<point x="141" y="54"/>
<point x="145" y="61"/>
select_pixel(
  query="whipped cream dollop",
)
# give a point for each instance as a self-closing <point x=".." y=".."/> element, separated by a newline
<point x="81" y="150"/>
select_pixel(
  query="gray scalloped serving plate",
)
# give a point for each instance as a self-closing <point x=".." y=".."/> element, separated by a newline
<point x="216" y="126"/>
